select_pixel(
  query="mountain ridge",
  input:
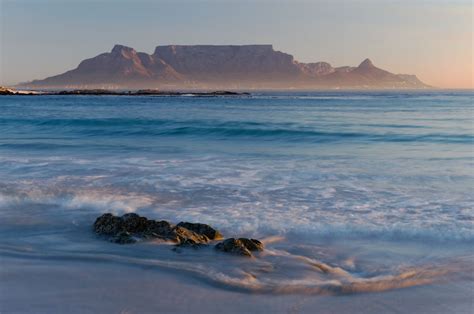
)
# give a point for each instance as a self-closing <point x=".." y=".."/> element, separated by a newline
<point x="219" y="66"/>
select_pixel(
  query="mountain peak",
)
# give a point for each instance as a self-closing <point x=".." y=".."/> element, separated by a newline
<point x="367" y="63"/>
<point x="121" y="48"/>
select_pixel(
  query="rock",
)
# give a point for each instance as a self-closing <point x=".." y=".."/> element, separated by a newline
<point x="203" y="229"/>
<point x="134" y="223"/>
<point x="187" y="237"/>
<point x="241" y="246"/>
<point x="252" y="244"/>
<point x="129" y="227"/>
<point x="111" y="225"/>
<point x="108" y="224"/>
<point x="234" y="246"/>
<point x="161" y="229"/>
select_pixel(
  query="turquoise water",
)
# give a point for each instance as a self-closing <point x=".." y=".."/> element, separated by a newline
<point x="392" y="165"/>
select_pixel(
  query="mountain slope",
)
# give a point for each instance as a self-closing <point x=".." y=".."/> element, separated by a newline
<point x="225" y="66"/>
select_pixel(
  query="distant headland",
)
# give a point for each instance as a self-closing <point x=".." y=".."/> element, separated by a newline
<point x="228" y="67"/>
<point x="105" y="92"/>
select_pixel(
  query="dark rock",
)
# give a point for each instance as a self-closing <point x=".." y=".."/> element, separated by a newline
<point x="108" y="224"/>
<point x="131" y="228"/>
<point x="134" y="223"/>
<point x="241" y="246"/>
<point x="203" y="229"/>
<point x="234" y="246"/>
<point x="161" y="229"/>
<point x="186" y="237"/>
<point x="252" y="244"/>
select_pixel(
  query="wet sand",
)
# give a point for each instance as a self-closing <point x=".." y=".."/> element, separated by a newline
<point x="78" y="287"/>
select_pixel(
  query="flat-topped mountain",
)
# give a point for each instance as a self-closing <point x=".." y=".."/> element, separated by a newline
<point x="224" y="66"/>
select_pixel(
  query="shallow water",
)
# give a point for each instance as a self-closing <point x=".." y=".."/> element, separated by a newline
<point x="354" y="192"/>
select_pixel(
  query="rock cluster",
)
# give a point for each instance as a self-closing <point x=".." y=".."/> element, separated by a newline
<point x="131" y="228"/>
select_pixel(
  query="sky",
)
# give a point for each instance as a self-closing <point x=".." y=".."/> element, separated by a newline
<point x="430" y="38"/>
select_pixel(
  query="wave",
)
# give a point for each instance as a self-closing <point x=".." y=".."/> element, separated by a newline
<point x="86" y="202"/>
<point x="229" y="130"/>
<point x="314" y="136"/>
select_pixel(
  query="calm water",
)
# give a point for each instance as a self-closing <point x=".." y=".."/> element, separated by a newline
<point x="386" y="166"/>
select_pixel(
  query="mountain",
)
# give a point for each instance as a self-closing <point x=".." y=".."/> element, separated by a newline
<point x="225" y="66"/>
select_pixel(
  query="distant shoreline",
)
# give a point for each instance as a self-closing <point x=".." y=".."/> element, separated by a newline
<point x="4" y="91"/>
<point x="105" y="92"/>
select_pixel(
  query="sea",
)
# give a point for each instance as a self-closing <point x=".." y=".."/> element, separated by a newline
<point x="363" y="200"/>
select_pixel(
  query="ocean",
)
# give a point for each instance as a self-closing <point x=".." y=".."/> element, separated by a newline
<point x="364" y="201"/>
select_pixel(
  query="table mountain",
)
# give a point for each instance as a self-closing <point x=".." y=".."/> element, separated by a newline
<point x="224" y="66"/>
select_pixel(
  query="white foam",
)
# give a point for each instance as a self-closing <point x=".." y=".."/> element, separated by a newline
<point x="246" y="196"/>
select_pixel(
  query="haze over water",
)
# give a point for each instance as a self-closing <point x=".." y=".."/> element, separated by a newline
<point x="373" y="187"/>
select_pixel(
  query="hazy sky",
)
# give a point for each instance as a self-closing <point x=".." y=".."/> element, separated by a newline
<point x="433" y="39"/>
